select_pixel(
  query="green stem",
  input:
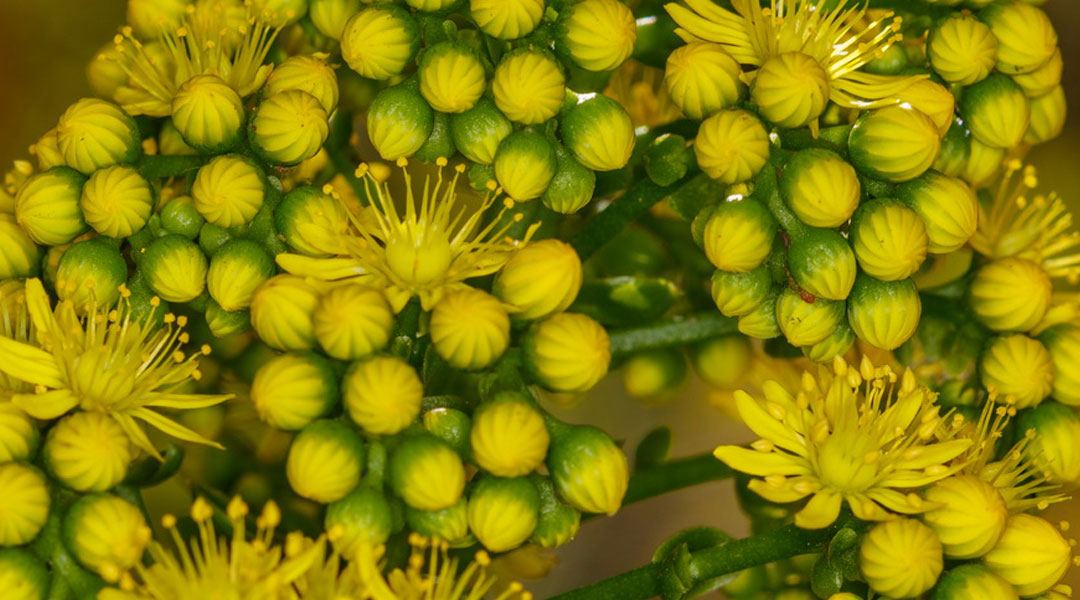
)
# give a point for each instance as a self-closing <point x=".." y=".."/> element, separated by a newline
<point x="768" y="192"/>
<point x="157" y="166"/>
<point x="641" y="583"/>
<point x="675" y="475"/>
<point x="689" y="330"/>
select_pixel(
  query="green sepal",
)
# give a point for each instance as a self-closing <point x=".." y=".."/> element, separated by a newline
<point x="625" y="301"/>
<point x="667" y="159"/>
<point x="653" y="449"/>
<point x="678" y="580"/>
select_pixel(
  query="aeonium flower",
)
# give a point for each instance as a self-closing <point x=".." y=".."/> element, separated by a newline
<point x="854" y="435"/>
<point x="107" y="361"/>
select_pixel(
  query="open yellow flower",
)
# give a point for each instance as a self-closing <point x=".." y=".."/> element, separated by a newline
<point x="855" y="435"/>
<point x="107" y="361"/>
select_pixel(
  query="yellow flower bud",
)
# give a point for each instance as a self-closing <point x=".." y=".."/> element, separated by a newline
<point x="790" y="89"/>
<point x="106" y="533"/>
<point x="426" y="473"/>
<point x="738" y="294"/>
<point x="150" y="17"/>
<point x="208" y="113"/>
<point x="761" y="322"/>
<point x="380" y="41"/>
<point x="399" y="121"/>
<point x="997" y="111"/>
<point x="973" y="582"/>
<point x="451" y="77"/>
<point x="738" y="236"/>
<point x="1019" y="368"/>
<point x="353" y="321"/>
<point x="822" y="263"/>
<point x="282" y="312"/>
<point x="1056" y="428"/>
<point x="104" y="72"/>
<point x="807" y="323"/>
<point x="933" y="100"/>
<point x="731" y="146"/>
<point x="529" y="86"/>
<point x="228" y="190"/>
<point x="1026" y="37"/>
<point x="363" y="517"/>
<point x="1011" y="294"/>
<point x="330" y="17"/>
<point x="821" y="188"/>
<point x="723" y="361"/>
<point x="470" y="328"/>
<point x="895" y="143"/>
<point x="702" y="79"/>
<point x="1047" y="117"/>
<point x="507" y="19"/>
<point x="22" y="575"/>
<point x="1063" y="342"/>
<point x="26" y="503"/>
<point x="175" y="268"/>
<point x="278" y="13"/>
<point x="508" y="437"/>
<point x="890" y="240"/>
<point x="589" y="471"/>
<point x="236" y="270"/>
<point x="47" y="151"/>
<point x="449" y="524"/>
<point x="653" y="376"/>
<point x="962" y="49"/>
<point x="47" y="206"/>
<point x="503" y="512"/>
<point x="837" y="344"/>
<point x="540" y="279"/>
<point x="884" y="314"/>
<point x="90" y="275"/>
<point x="312" y="222"/>
<point x="969" y="517"/>
<point x="382" y="394"/>
<point x="1031" y="555"/>
<point x="1043" y="80"/>
<point x="19" y="255"/>
<point x="947" y="206"/>
<point x="288" y="127"/>
<point x="982" y="165"/>
<point x="325" y="461"/>
<point x="116" y="201"/>
<point x="572" y="187"/>
<point x="308" y="74"/>
<point x="525" y="164"/>
<point x="292" y="390"/>
<point x="599" y="133"/>
<point x="18" y="433"/>
<point x="900" y="558"/>
<point x="597" y="35"/>
<point x="568" y="352"/>
<point x="94" y="133"/>
<point x="171" y="143"/>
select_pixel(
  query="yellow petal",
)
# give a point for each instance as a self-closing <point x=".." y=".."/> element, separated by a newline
<point x="183" y="401"/>
<point x="899" y="503"/>
<point x="172" y="428"/>
<point x="914" y="479"/>
<point x="761" y="464"/>
<point x="327" y="269"/>
<point x="866" y="509"/>
<point x="49" y="405"/>
<point x="29" y="363"/>
<point x="781" y="494"/>
<point x="762" y="423"/>
<point x="820" y="511"/>
<point x="37" y="303"/>
<point x="921" y="457"/>
<point x="136" y="434"/>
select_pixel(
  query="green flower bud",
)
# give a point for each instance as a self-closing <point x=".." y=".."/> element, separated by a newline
<point x="972" y="582"/>
<point x="1019" y="369"/>
<point x="439" y="144"/>
<point x="893" y="61"/>
<point x="308" y="74"/>
<point x="478" y="131"/>
<point x="837" y="344"/>
<point x="330" y="17"/>
<point x="229" y="190"/>
<point x="722" y="361"/>
<point x="1031" y="555"/>
<point x="451" y="426"/>
<point x="236" y="270"/>
<point x="507" y="19"/>
<point x="175" y="268"/>
<point x="503" y="512"/>
<point x="822" y="263"/>
<point x="362" y="517"/>
<point x="955" y="149"/>
<point x="279" y="13"/>
<point x="22" y="576"/>
<point x="997" y="111"/>
<point x="558" y="523"/>
<point x="224" y="323"/>
<point x="379" y="42"/>
<point x="900" y="558"/>
<point x="529" y="86"/>
<point x="1011" y="294"/>
<point x="18" y="433"/>
<point x="212" y="237"/>
<point x="807" y="323"/>
<point x="106" y="533"/>
<point x="598" y="131"/>
<point x="1063" y="342"/>
<point x="567" y="352"/>
<point x="525" y="163"/>
<point x="890" y="240"/>
<point x="731" y="146"/>
<point x="180" y="217"/>
<point x="702" y="78"/>
<point x="400" y="121"/>
<point x="652" y="376"/>
<point x="19" y="255"/>
<point x="1043" y="80"/>
<point x="572" y="186"/>
<point x="209" y="114"/>
<point x="325" y="461"/>
<point x="1056" y="428"/>
<point x="282" y="312"/>
<point x="293" y="389"/>
<point x="983" y="163"/>
<point x="1047" y="117"/>
<point x="26" y="503"/>
<point x="738" y="236"/>
<point x="449" y="524"/>
<point x="311" y="221"/>
<point x="288" y="127"/>
<point x="597" y="35"/>
<point x="451" y="76"/>
<point x="1025" y="35"/>
<point x="426" y="473"/>
<point x="738" y="294"/>
<point x="790" y="89"/>
<point x="962" y="49"/>
<point x="884" y="314"/>
<point x="820" y="187"/>
<point x="947" y="206"/>
<point x="47" y="206"/>
<point x="382" y="394"/>
<point x="969" y="515"/>
<point x="894" y="143"/>
<point x="761" y="322"/>
<point x="94" y="133"/>
<point x="90" y="275"/>
<point x="589" y="470"/>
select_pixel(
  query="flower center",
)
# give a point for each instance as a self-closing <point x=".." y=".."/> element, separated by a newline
<point x="847" y="462"/>
<point x="420" y="259"/>
<point x="100" y="381"/>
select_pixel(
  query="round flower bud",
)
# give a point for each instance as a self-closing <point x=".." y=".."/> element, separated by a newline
<point x="1026" y="37"/>
<point x="170" y="142"/>
<point x="47" y="151"/>
<point x="525" y="164"/>
<point x="288" y="127"/>
<point x="982" y="165"/>
<point x="761" y="322"/>
<point x="890" y="240"/>
<point x="508" y="436"/>
<point x="1019" y="368"/>
<point x="731" y="146"/>
<point x="529" y="86"/>
<point x="279" y="13"/>
<point x="540" y="279"/>
<point x="722" y="361"/>
<point x="572" y="187"/>
<point x="47" y="206"/>
<point x="567" y="352"/>
<point x="470" y="328"/>
<point x="451" y="426"/>
<point x="104" y="72"/>
<point x="90" y="275"/>
<point x="884" y="314"/>
<point x="26" y="503"/>
<point x="589" y="471"/>
<point x="294" y="389"/>
<point x="94" y="133"/>
<point x="933" y="100"/>
<point x="1056" y="428"/>
<point x="807" y="323"/>
<point x="738" y="294"/>
<point x="353" y="321"/>
<point x="822" y="263"/>
<point x="228" y="190"/>
<point x="175" y="268"/>
<point x="900" y="558"/>
<point x="451" y="77"/>
<point x="738" y="236"/>
<point x="282" y="312"/>
<point x="837" y="344"/>
<point x="106" y="533"/>
<point x="1031" y="555"/>
<point x="18" y="433"/>
<point x="208" y="113"/>
<point x="380" y="41"/>
<point x="598" y="131"/>
<point x="150" y="17"/>
<point x="363" y="516"/>
<point x="652" y="376"/>
<point x="449" y="524"/>
<point x="330" y="17"/>
<point x="894" y="143"/>
<point x="382" y="394"/>
<point x="223" y="323"/>
<point x="597" y="35"/>
<point x="116" y="201"/>
<point x="426" y="473"/>
<point x="478" y="131"/>
<point x="972" y="582"/>
<point x="1043" y="80"/>
<point x="439" y="144"/>
<point x="179" y="216"/>
<point x="308" y="74"/>
<point x="1063" y="342"/>
<point x="947" y="206"/>
<point x="1011" y="294"/>
<point x="19" y="255"/>
<point x="503" y="512"/>
<point x="507" y="19"/>
<point x="1047" y="117"/>
<point x="325" y="461"/>
<point x="791" y="89"/>
<point x="399" y="121"/>
<point x="702" y="79"/>
<point x="962" y="49"/>
<point x="820" y="187"/>
<point x="997" y="111"/>
<point x="558" y="522"/>
<point x="311" y="221"/>
<point x="969" y="515"/>
<point x="955" y="149"/>
<point x="22" y="576"/>
<point x="237" y="269"/>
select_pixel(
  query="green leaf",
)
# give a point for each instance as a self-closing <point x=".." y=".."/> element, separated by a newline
<point x="653" y="449"/>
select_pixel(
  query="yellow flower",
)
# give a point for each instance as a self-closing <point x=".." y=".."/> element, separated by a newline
<point x="1043" y="80"/>
<point x="933" y="100"/>
<point x="900" y="558"/>
<point x="107" y="362"/>
<point x="962" y="49"/>
<point x="731" y="146"/>
<point x="529" y="86"/>
<point x="294" y="389"/>
<point x="116" y="201"/>
<point x="353" y="321"/>
<point x="382" y="394"/>
<point x="1051" y="430"/>
<point x="88" y="452"/>
<point x="18" y="433"/>
<point x="973" y="581"/>
<point x="1063" y="342"/>
<point x="702" y="79"/>
<point x="598" y="35"/>
<point x="589" y="471"/>
<point x="854" y="435"/>
<point x="568" y="352"/>
<point x="738" y="294"/>
<point x="525" y="164"/>
<point x="982" y="163"/>
<point x="208" y="114"/>
<point x="508" y="437"/>
<point x="106" y="533"/>
<point x="228" y="190"/>
<point x="790" y="89"/>
<point x="1031" y="555"/>
<point x="503" y="512"/>
<point x="325" y="461"/>
<point x="24" y="499"/>
<point x="380" y="41"/>
<point x="507" y="19"/>
<point x="47" y="151"/>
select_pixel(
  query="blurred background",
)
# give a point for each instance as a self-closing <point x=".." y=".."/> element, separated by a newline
<point x="45" y="45"/>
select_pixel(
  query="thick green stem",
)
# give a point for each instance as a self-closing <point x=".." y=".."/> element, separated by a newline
<point x="689" y="330"/>
<point x="641" y="583"/>
<point x="675" y="475"/>
<point x="157" y="166"/>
